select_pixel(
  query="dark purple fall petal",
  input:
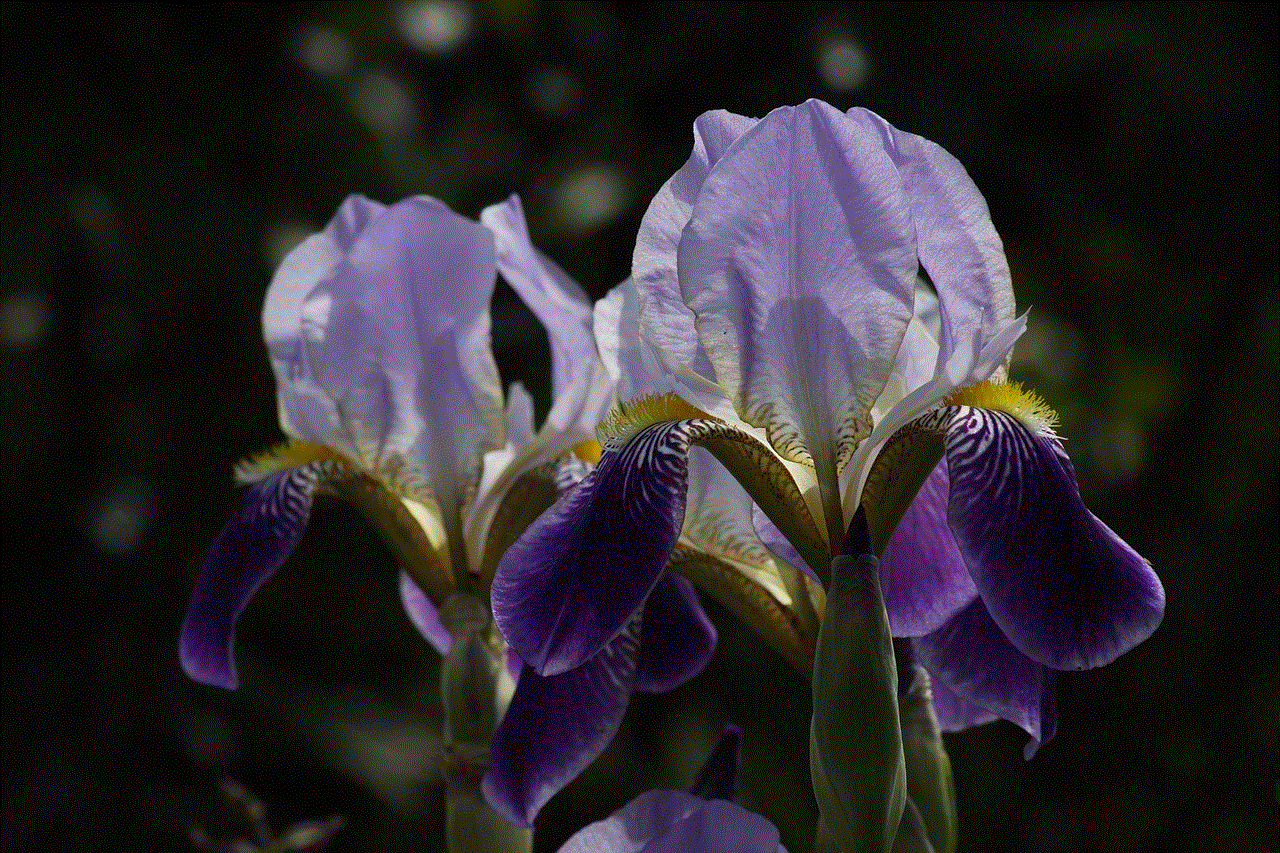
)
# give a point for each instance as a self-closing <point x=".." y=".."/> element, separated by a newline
<point x="574" y="579"/>
<point x="717" y="779"/>
<point x="556" y="725"/>
<point x="676" y="637"/>
<point x="251" y="547"/>
<point x="677" y="822"/>
<point x="1065" y="589"/>
<point x="973" y="659"/>
<point x="923" y="576"/>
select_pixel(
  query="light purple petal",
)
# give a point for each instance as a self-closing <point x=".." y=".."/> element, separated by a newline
<point x="251" y="547"/>
<point x="573" y="579"/>
<point x="717" y="778"/>
<point x="925" y="581"/>
<point x="676" y="637"/>
<point x="555" y="726"/>
<point x="677" y="822"/>
<point x="424" y="615"/>
<point x="556" y="300"/>
<point x="1066" y="590"/>
<point x="398" y="336"/>
<point x="956" y="241"/>
<point x="799" y="263"/>
<point x="306" y="411"/>
<point x="666" y="322"/>
<point x="971" y="656"/>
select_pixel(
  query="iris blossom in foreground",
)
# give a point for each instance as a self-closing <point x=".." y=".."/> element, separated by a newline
<point x="378" y="333"/>
<point x="822" y="302"/>
<point x="704" y="819"/>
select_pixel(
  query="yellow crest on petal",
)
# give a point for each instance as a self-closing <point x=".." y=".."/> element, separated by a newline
<point x="1009" y="397"/>
<point x="286" y="454"/>
<point x="626" y="419"/>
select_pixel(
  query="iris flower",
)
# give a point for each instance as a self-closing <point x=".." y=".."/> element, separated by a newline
<point x="378" y="334"/>
<point x="821" y="301"/>
<point x="704" y="819"/>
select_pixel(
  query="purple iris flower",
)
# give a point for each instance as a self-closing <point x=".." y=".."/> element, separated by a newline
<point x="808" y="289"/>
<point x="378" y="333"/>
<point x="704" y="819"/>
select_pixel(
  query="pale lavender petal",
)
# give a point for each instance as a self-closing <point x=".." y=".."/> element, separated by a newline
<point x="251" y="547"/>
<point x="666" y="322"/>
<point x="717" y="778"/>
<point x="677" y="822"/>
<point x="555" y="726"/>
<point x="424" y="615"/>
<point x="1065" y="589"/>
<point x="398" y="336"/>
<point x="799" y="264"/>
<point x="924" y="579"/>
<point x="555" y="299"/>
<point x="306" y="411"/>
<point x="573" y="580"/>
<point x="956" y="240"/>
<point x="971" y="656"/>
<point x="676" y="636"/>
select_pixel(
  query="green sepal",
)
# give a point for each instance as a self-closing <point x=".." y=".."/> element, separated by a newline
<point x="855" y="739"/>
<point x="767" y="480"/>
<point x="929" y="781"/>
<point x="404" y="535"/>
<point x="790" y="629"/>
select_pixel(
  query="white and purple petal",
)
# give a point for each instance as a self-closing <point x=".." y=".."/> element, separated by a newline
<point x="924" y="578"/>
<point x="799" y="264"/>
<point x="251" y="548"/>
<point x="665" y="321"/>
<point x="677" y="822"/>
<point x="975" y="661"/>
<point x="574" y="579"/>
<point x="556" y="725"/>
<point x="1066" y="590"/>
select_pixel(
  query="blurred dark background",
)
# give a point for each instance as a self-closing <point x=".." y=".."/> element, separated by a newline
<point x="157" y="162"/>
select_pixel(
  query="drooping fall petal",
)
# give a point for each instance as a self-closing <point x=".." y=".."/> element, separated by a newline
<point x="256" y="541"/>
<point x="556" y="725"/>
<point x="1067" y="591"/>
<point x="974" y="660"/>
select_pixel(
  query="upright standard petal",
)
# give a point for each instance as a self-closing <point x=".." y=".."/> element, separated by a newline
<point x="556" y="725"/>
<point x="398" y="336"/>
<point x="799" y="264"/>
<point x="677" y="822"/>
<point x="956" y="241"/>
<point x="306" y="411"/>
<point x="665" y="322"/>
<point x="1065" y="589"/>
<point x="971" y="656"/>
<point x="251" y="547"/>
